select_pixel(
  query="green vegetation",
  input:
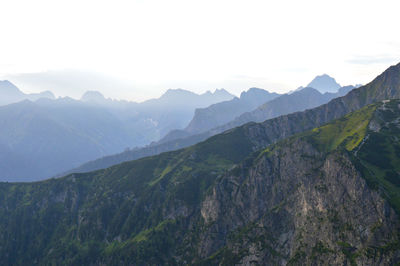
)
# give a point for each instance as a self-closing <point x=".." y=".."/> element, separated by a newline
<point x="379" y="158"/>
<point x="347" y="132"/>
<point x="143" y="211"/>
<point x="134" y="211"/>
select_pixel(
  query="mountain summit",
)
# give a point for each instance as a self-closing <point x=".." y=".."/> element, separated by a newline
<point x="93" y="96"/>
<point x="324" y="83"/>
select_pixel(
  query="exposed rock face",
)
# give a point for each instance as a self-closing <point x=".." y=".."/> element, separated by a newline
<point x="299" y="206"/>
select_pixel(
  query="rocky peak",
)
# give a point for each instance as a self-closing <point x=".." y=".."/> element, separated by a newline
<point x="324" y="83"/>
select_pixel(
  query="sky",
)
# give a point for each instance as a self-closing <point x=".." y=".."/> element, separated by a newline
<point x="137" y="50"/>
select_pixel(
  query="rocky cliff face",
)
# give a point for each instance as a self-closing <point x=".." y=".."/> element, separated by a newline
<point x="298" y="206"/>
<point x="300" y="202"/>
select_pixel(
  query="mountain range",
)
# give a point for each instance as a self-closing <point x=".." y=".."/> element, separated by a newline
<point x="221" y="113"/>
<point x="200" y="129"/>
<point x="9" y="93"/>
<point x="314" y="187"/>
<point x="43" y="138"/>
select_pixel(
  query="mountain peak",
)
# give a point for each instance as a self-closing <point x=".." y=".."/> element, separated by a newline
<point x="252" y="90"/>
<point x="47" y="94"/>
<point x="176" y="93"/>
<point x="256" y="92"/>
<point x="92" y="96"/>
<point x="9" y="87"/>
<point x="222" y="92"/>
<point x="324" y="83"/>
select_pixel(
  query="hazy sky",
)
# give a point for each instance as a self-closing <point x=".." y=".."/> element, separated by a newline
<point x="138" y="49"/>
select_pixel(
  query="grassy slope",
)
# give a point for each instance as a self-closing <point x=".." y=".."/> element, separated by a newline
<point x="379" y="156"/>
<point x="376" y="154"/>
<point x="347" y="131"/>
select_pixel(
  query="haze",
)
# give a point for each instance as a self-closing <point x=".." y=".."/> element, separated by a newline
<point x="138" y="49"/>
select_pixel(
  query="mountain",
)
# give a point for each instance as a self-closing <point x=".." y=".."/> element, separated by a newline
<point x="320" y="197"/>
<point x="221" y="113"/>
<point x="93" y="97"/>
<point x="298" y="101"/>
<point x="324" y="83"/>
<point x="40" y="139"/>
<point x="43" y="138"/>
<point x="385" y="86"/>
<point x="301" y="100"/>
<point x="9" y="93"/>
<point x="173" y="110"/>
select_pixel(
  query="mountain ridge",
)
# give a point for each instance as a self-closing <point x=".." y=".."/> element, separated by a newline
<point x="49" y="136"/>
<point x="384" y="86"/>
<point x="9" y="93"/>
<point x="216" y="202"/>
<point x="180" y="138"/>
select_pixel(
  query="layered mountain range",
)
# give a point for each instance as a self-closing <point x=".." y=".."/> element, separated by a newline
<point x="314" y="187"/>
<point x="199" y="128"/>
<point x="221" y="113"/>
<point x="9" y="93"/>
<point x="41" y="138"/>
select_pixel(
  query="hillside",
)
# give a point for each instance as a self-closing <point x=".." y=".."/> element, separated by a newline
<point x="385" y="86"/>
<point x="299" y="200"/>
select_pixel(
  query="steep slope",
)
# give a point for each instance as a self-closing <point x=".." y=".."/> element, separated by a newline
<point x="302" y="200"/>
<point x="298" y="201"/>
<point x="385" y="86"/>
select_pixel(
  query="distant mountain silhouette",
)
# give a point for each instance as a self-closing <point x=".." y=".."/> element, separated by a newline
<point x="43" y="138"/>
<point x="306" y="98"/>
<point x="173" y="110"/>
<point x="9" y="93"/>
<point x="223" y="112"/>
<point x="324" y="83"/>
<point x="300" y="100"/>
